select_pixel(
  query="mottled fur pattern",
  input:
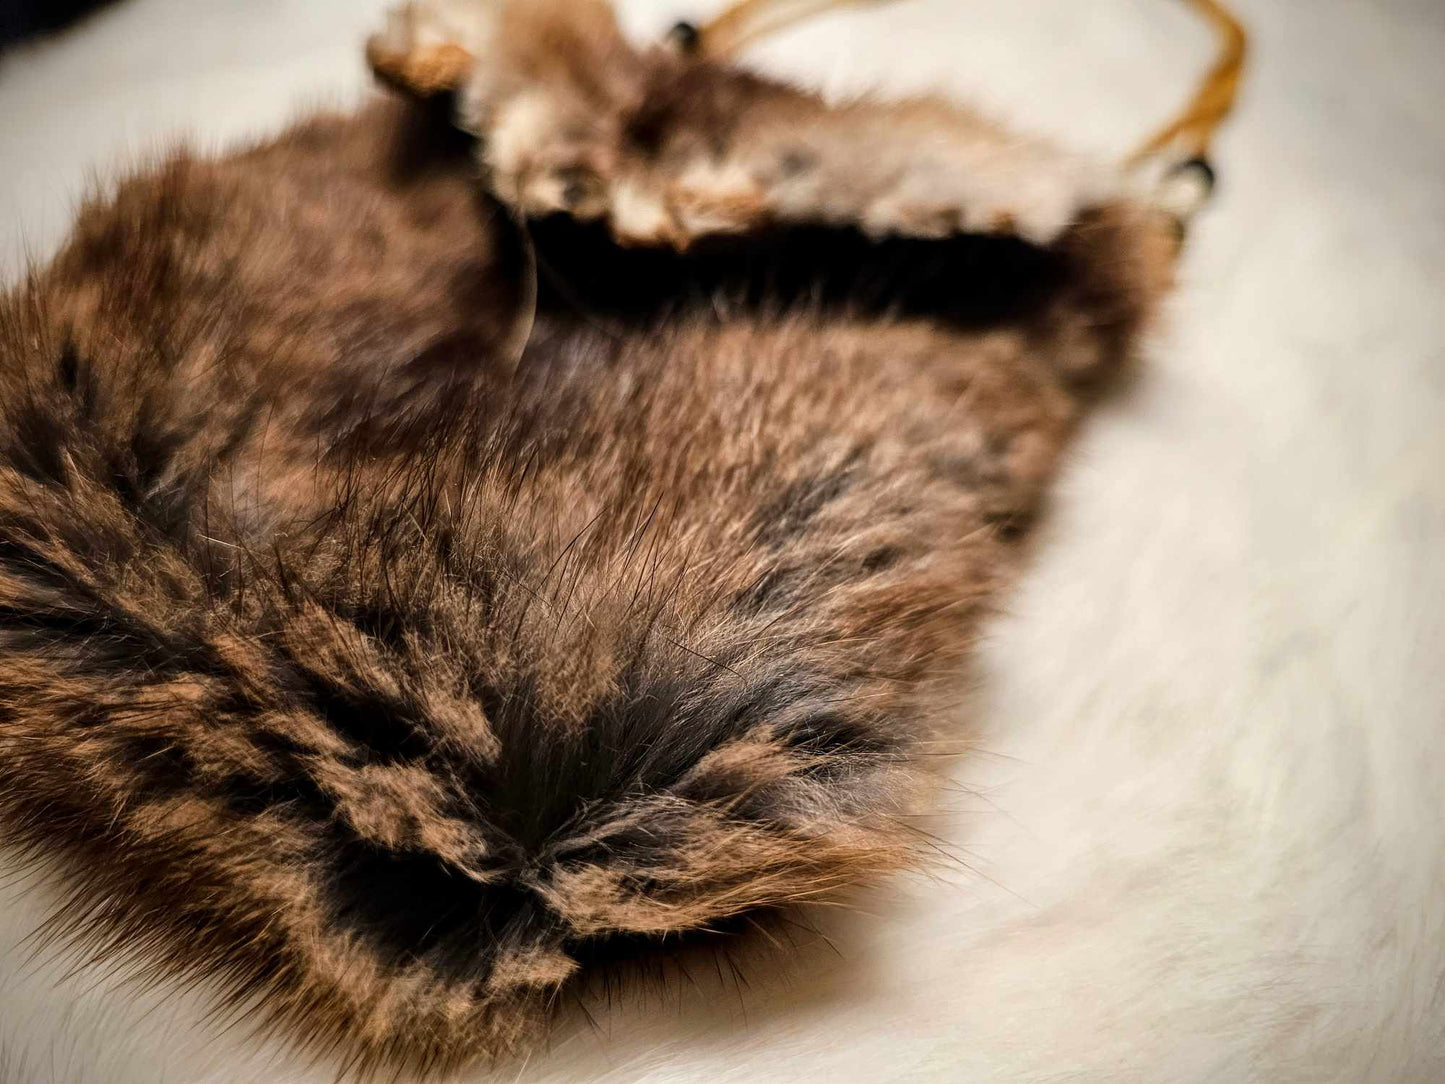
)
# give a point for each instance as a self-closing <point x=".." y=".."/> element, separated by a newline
<point x="667" y="148"/>
<point x="403" y="609"/>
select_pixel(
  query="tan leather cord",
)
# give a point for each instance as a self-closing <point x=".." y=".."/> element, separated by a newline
<point x="1190" y="134"/>
<point x="1187" y="136"/>
<point x="747" y="21"/>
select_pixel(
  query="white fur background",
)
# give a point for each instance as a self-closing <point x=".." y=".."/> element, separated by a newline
<point x="1204" y="836"/>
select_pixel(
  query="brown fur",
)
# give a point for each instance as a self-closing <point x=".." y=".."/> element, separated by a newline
<point x="670" y="149"/>
<point x="387" y="639"/>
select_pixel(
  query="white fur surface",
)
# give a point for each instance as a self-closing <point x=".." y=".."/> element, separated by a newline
<point x="1205" y="836"/>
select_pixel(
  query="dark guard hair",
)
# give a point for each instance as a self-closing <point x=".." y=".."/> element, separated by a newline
<point x="384" y="638"/>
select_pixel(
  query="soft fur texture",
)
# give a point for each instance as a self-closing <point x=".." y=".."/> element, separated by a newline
<point x="667" y="149"/>
<point x="404" y="610"/>
<point x="1216" y="836"/>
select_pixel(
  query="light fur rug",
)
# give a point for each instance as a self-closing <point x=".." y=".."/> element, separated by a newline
<point x="1204" y="836"/>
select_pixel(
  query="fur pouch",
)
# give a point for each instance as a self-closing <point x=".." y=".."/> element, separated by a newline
<point x="418" y="594"/>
